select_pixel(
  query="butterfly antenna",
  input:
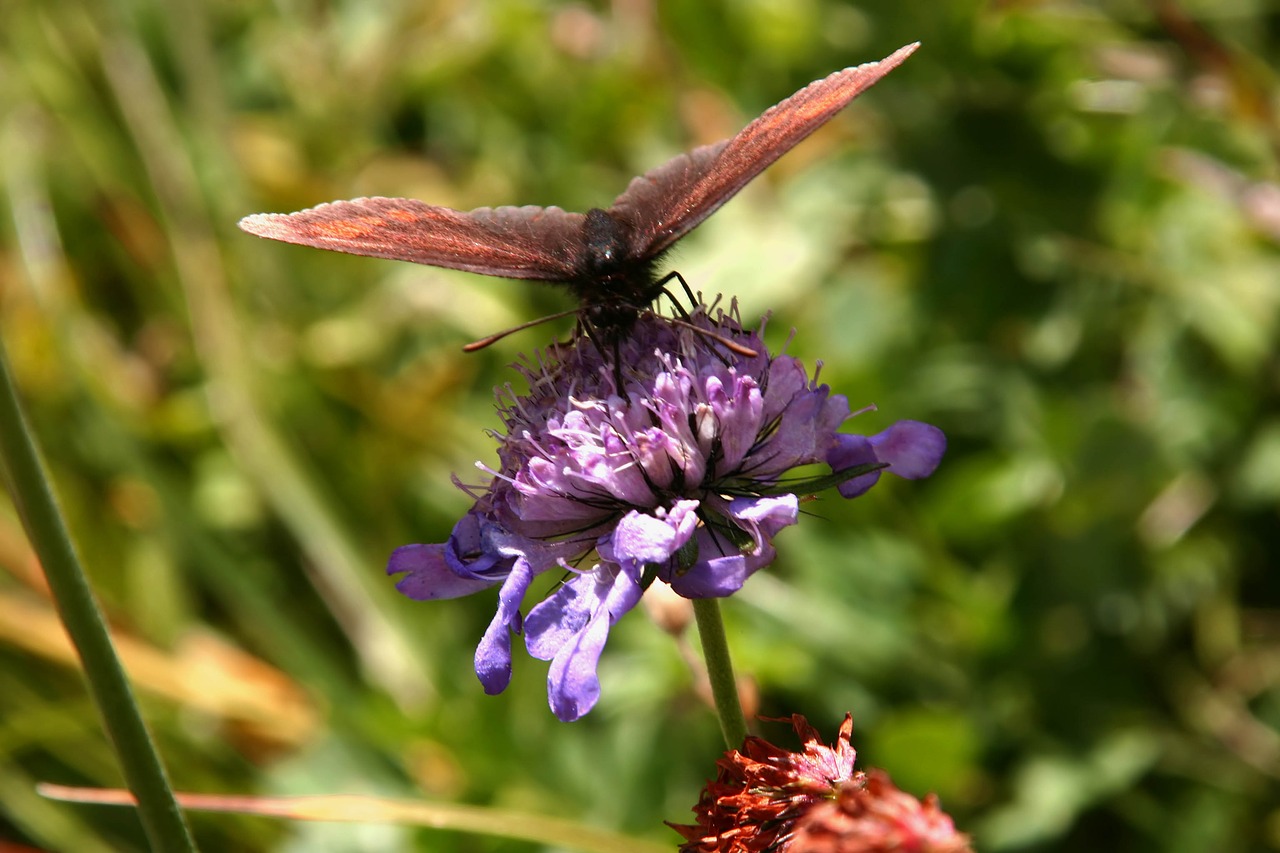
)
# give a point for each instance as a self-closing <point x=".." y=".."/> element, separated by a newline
<point x="728" y="343"/>
<point x="494" y="338"/>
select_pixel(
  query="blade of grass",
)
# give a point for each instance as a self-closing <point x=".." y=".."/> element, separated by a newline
<point x="162" y="820"/>
<point x="500" y="823"/>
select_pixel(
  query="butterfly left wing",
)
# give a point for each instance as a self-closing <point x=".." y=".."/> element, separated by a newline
<point x="542" y="243"/>
<point x="664" y="204"/>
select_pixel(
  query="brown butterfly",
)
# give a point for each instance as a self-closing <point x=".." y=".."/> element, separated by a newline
<point x="607" y="258"/>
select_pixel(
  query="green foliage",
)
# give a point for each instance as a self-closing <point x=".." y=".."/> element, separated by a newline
<point x="1053" y="233"/>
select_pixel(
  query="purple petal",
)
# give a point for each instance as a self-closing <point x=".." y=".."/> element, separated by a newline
<point x="786" y="379"/>
<point x="481" y="547"/>
<point x="572" y="684"/>
<point x="643" y="538"/>
<point x="556" y="619"/>
<point x="912" y="449"/>
<point x="429" y="574"/>
<point x="763" y="518"/>
<point x="573" y="688"/>
<point x="714" y="578"/>
<point x="493" y="655"/>
<point x="850" y="451"/>
<point x="858" y="485"/>
<point x="737" y="418"/>
<point x="805" y="428"/>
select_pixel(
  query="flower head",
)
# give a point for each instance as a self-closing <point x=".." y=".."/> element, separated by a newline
<point x="766" y="798"/>
<point x="660" y="458"/>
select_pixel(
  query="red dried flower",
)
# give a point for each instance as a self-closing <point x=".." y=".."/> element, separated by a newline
<point x="768" y="800"/>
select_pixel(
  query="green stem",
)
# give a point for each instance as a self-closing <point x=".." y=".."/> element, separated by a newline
<point x="162" y="820"/>
<point x="724" y="687"/>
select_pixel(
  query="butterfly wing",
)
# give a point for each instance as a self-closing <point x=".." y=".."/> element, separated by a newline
<point x="664" y="204"/>
<point x="542" y="243"/>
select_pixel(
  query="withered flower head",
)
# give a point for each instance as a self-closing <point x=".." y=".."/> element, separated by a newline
<point x="768" y="800"/>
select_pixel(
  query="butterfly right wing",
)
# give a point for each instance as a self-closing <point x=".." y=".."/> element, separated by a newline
<point x="664" y="204"/>
<point x="541" y="243"/>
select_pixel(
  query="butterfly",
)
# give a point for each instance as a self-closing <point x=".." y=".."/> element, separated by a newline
<point x="607" y="257"/>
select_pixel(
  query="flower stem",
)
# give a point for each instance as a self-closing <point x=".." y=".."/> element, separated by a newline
<point x="724" y="687"/>
<point x="162" y="820"/>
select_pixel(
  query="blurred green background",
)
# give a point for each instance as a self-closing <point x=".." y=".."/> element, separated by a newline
<point x="1053" y="233"/>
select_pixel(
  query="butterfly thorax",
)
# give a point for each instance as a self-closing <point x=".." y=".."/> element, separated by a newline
<point x="612" y="285"/>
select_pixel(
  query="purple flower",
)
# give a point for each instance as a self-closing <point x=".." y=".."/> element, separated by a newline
<point x="676" y="476"/>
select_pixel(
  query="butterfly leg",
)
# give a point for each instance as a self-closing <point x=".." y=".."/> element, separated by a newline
<point x="587" y="330"/>
<point x="617" y="367"/>
<point x="660" y="289"/>
<point x="685" y="319"/>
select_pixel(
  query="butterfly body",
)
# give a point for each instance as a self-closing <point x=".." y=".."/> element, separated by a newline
<point x="606" y="257"/>
<point x="613" y="283"/>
